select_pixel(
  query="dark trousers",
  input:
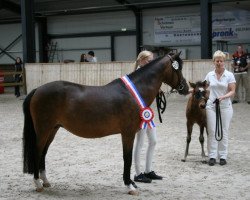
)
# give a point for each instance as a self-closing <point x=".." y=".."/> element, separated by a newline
<point x="17" y="90"/>
<point x="17" y="87"/>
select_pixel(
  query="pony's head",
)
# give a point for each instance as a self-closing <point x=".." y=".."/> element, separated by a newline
<point x="200" y="93"/>
<point x="176" y="80"/>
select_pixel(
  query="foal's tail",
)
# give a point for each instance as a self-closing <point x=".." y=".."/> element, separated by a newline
<point x="29" y="137"/>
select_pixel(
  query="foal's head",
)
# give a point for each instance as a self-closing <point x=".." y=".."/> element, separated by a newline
<point x="200" y="93"/>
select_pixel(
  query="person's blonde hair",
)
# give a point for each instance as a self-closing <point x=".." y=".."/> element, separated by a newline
<point x="142" y="55"/>
<point x="219" y="54"/>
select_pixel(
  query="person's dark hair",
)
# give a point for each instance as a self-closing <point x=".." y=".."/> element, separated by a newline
<point x="83" y="58"/>
<point x="21" y="62"/>
<point x="91" y="53"/>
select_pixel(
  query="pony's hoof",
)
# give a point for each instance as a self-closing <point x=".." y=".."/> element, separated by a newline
<point x="131" y="189"/>
<point x="39" y="189"/>
<point x="38" y="184"/>
<point x="183" y="160"/>
<point x="46" y="185"/>
<point x="133" y="192"/>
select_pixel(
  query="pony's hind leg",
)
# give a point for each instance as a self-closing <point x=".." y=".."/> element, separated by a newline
<point x="127" y="143"/>
<point x="42" y="171"/>
<point x="44" y="179"/>
<point x="37" y="181"/>
<point x="45" y="136"/>
<point x="42" y="168"/>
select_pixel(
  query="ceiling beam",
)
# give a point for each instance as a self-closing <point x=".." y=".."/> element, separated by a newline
<point x="8" y="5"/>
<point x="122" y="6"/>
<point x="76" y="12"/>
<point x="226" y="1"/>
<point x="128" y="5"/>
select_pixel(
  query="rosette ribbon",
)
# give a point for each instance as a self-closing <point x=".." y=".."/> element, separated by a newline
<point x="146" y="113"/>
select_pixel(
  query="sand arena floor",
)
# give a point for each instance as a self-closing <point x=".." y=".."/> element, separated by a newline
<point x="91" y="169"/>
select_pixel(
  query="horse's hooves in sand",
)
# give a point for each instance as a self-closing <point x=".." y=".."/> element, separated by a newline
<point x="133" y="192"/>
<point x="39" y="189"/>
<point x="46" y="185"/>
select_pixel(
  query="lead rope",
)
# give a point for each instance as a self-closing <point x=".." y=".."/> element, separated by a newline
<point x="218" y="126"/>
<point x="161" y="104"/>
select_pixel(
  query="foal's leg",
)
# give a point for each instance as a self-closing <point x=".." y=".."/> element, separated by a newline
<point x="127" y="143"/>
<point x="189" y="133"/>
<point x="201" y="138"/>
<point x="42" y="167"/>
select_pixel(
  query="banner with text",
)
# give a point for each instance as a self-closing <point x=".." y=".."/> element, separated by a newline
<point x="185" y="29"/>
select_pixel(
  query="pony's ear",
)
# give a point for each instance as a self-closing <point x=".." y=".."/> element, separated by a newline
<point x="204" y="83"/>
<point x="192" y="84"/>
<point x="177" y="55"/>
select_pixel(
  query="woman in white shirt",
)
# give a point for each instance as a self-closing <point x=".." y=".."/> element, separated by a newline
<point x="143" y="58"/>
<point x="222" y="87"/>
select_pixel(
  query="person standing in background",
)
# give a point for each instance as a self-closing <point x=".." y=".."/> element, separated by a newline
<point x="91" y="56"/>
<point x="241" y="64"/>
<point x="83" y="58"/>
<point x="18" y="77"/>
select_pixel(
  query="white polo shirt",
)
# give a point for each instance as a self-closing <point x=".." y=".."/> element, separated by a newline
<point x="219" y="87"/>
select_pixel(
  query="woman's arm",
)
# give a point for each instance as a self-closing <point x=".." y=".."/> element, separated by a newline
<point x="230" y="93"/>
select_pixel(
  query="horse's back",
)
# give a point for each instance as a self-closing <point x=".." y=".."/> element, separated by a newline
<point x="96" y="110"/>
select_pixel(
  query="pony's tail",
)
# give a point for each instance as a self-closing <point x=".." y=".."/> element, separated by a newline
<point x="29" y="137"/>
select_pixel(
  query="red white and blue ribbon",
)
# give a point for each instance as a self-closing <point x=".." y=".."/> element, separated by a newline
<point x="146" y="113"/>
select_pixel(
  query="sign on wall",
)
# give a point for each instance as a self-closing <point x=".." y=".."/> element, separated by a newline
<point x="185" y="29"/>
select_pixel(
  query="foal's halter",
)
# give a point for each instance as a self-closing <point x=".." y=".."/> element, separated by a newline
<point x="175" y="65"/>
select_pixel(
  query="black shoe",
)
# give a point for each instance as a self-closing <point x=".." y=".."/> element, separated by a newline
<point x="235" y="101"/>
<point x="142" y="178"/>
<point x="223" y="162"/>
<point x="152" y="175"/>
<point x="248" y="102"/>
<point x="211" y="161"/>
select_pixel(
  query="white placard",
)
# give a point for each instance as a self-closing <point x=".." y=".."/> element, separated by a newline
<point x="185" y="29"/>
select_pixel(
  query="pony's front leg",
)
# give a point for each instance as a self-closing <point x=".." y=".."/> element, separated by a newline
<point x="201" y="138"/>
<point x="127" y="142"/>
<point x="188" y="140"/>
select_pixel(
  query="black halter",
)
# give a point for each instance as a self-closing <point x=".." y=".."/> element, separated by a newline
<point x="161" y="101"/>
